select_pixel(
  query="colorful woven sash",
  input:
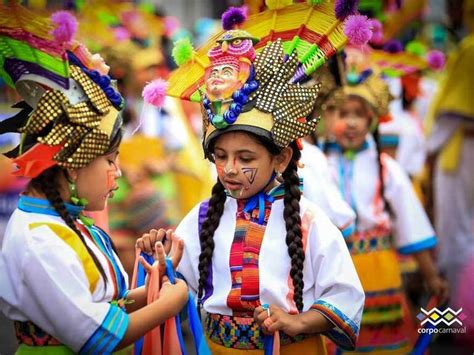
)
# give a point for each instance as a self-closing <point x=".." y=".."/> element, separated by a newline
<point x="242" y="333"/>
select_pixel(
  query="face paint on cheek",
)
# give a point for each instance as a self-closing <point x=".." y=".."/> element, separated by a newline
<point x="220" y="171"/>
<point x="339" y="127"/>
<point x="111" y="179"/>
<point x="250" y="174"/>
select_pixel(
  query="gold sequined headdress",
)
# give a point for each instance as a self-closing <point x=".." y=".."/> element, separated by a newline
<point x="70" y="112"/>
<point x="255" y="86"/>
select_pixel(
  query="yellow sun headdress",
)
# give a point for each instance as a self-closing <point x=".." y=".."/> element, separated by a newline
<point x="255" y="85"/>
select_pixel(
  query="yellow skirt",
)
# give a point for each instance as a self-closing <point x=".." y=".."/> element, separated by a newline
<point x="311" y="346"/>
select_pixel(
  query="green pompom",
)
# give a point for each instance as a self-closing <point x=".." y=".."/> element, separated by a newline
<point x="416" y="48"/>
<point x="315" y="2"/>
<point x="182" y="51"/>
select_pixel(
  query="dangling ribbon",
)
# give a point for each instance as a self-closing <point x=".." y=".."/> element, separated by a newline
<point x="173" y="342"/>
<point x="271" y="342"/>
<point x="258" y="199"/>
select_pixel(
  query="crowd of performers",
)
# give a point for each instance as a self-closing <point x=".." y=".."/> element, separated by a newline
<point x="300" y="182"/>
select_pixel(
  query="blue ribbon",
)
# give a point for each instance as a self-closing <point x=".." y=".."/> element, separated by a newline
<point x="200" y="343"/>
<point x="258" y="199"/>
<point x="268" y="339"/>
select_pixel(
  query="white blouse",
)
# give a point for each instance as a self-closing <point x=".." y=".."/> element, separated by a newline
<point x="331" y="284"/>
<point x="48" y="278"/>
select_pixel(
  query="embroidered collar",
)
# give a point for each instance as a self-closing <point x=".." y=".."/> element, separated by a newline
<point x="39" y="205"/>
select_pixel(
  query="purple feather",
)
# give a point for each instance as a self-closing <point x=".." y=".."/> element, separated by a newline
<point x="66" y="26"/>
<point x="233" y="17"/>
<point x="436" y="59"/>
<point x="345" y="8"/>
<point x="393" y="46"/>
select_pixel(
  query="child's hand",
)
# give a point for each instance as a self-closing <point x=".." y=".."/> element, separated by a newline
<point x="175" y="295"/>
<point x="278" y="320"/>
<point x="438" y="288"/>
<point x="160" y="243"/>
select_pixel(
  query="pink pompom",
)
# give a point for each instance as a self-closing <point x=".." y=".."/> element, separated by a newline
<point x="121" y="34"/>
<point x="155" y="92"/>
<point x="358" y="30"/>
<point x="436" y="59"/>
<point x="171" y="25"/>
<point x="232" y="18"/>
<point x="377" y="31"/>
<point x="66" y="26"/>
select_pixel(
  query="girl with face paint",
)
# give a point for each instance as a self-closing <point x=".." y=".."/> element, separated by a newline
<point x="390" y="218"/>
<point x="264" y="262"/>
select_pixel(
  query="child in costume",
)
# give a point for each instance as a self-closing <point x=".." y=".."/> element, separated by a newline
<point x="389" y="218"/>
<point x="62" y="282"/>
<point x="259" y="256"/>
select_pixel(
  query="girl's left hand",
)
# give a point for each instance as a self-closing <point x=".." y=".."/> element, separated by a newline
<point x="278" y="320"/>
<point x="438" y="288"/>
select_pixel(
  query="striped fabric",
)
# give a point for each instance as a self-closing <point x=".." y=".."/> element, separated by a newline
<point x="345" y="331"/>
<point x="108" y="334"/>
<point x="244" y="295"/>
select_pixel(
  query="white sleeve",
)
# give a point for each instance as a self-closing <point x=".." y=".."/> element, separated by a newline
<point x="320" y="188"/>
<point x="54" y="294"/>
<point x="338" y="293"/>
<point x="188" y="230"/>
<point x="412" y="229"/>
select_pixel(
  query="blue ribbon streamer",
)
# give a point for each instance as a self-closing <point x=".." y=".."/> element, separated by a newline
<point x="200" y="343"/>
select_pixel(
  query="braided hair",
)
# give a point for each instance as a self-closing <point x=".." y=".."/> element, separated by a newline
<point x="291" y="214"/>
<point x="206" y="236"/>
<point x="294" y="236"/>
<point x="376" y="135"/>
<point x="47" y="182"/>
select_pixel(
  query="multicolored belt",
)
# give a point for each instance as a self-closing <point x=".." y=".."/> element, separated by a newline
<point x="241" y="332"/>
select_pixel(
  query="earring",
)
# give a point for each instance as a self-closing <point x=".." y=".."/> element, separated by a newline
<point x="278" y="174"/>
<point x="74" y="196"/>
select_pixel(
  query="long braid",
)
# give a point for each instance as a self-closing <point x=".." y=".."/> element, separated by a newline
<point x="376" y="135"/>
<point x="206" y="237"/>
<point x="48" y="184"/>
<point x="294" y="236"/>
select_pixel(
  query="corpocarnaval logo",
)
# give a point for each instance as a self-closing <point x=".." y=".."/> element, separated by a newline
<point x="436" y="316"/>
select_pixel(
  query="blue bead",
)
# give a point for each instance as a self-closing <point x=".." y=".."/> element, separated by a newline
<point x="253" y="85"/>
<point x="246" y="89"/>
<point x="104" y="81"/>
<point x="236" y="95"/>
<point x="236" y="108"/>
<point x="230" y="117"/>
